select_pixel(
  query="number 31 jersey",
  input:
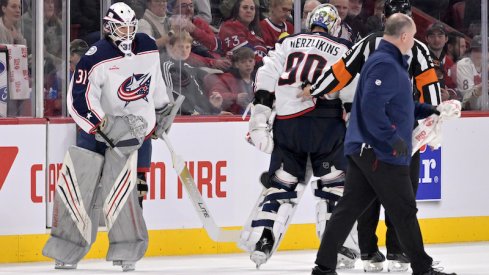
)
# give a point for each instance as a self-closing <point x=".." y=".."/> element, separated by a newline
<point x="297" y="59"/>
<point x="106" y="82"/>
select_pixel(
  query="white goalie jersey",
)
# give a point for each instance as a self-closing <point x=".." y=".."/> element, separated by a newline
<point x="297" y="59"/>
<point x="107" y="82"/>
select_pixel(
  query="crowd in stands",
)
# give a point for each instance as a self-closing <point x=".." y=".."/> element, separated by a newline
<point x="211" y="49"/>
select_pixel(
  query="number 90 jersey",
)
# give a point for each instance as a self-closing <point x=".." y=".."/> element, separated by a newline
<point x="295" y="60"/>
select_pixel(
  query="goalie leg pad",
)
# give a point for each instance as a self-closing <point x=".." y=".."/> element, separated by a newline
<point x="75" y="208"/>
<point x="272" y="214"/>
<point x="329" y="189"/>
<point x="128" y="236"/>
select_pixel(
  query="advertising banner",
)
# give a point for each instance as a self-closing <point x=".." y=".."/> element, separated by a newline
<point x="22" y="179"/>
<point x="429" y="174"/>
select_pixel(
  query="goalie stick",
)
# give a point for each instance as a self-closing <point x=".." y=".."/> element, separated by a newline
<point x="215" y="233"/>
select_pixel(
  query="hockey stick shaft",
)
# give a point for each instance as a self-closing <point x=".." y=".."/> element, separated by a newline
<point x="214" y="232"/>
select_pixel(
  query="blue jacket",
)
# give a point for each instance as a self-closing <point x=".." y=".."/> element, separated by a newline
<point x="383" y="108"/>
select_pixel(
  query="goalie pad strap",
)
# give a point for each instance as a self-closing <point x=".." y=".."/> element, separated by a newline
<point x="271" y="206"/>
<point x="275" y="182"/>
<point x="281" y="196"/>
<point x="326" y="195"/>
<point x="265" y="223"/>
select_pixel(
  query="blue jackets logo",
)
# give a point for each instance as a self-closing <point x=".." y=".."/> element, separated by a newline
<point x="134" y="88"/>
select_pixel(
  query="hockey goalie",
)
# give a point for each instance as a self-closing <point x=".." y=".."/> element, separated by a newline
<point x="118" y="99"/>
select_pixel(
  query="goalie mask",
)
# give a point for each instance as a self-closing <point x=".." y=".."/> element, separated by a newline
<point x="121" y="25"/>
<point x="397" y="6"/>
<point x="325" y="16"/>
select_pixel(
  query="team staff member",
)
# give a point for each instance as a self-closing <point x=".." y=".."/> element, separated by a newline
<point x="343" y="75"/>
<point x="378" y="146"/>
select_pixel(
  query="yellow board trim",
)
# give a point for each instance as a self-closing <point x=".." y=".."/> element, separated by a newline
<point x="27" y="248"/>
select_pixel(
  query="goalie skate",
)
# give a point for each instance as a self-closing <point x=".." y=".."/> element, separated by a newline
<point x="263" y="249"/>
<point x="61" y="265"/>
<point x="126" y="265"/>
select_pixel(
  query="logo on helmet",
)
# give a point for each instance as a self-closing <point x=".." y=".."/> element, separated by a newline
<point x="325" y="16"/>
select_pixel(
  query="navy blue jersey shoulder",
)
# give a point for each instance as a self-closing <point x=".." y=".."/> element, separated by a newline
<point x="144" y="43"/>
<point x="100" y="51"/>
<point x="104" y="49"/>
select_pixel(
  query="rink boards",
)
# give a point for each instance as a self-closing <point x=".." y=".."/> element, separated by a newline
<point x="226" y="170"/>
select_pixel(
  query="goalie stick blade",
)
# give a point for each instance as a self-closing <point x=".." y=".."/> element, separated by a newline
<point x="214" y="232"/>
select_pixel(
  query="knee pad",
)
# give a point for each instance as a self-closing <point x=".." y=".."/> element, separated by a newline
<point x="328" y="189"/>
<point x="273" y="210"/>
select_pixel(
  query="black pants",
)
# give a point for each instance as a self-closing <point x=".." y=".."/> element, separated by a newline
<point x="368" y="221"/>
<point x="366" y="180"/>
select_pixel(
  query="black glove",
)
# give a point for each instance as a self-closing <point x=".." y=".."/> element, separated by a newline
<point x="400" y="148"/>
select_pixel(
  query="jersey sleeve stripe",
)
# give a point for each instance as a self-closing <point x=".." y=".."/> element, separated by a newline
<point x="342" y="75"/>
<point x="424" y="79"/>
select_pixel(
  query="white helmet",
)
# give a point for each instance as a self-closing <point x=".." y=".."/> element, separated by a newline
<point x="325" y="16"/>
<point x="119" y="16"/>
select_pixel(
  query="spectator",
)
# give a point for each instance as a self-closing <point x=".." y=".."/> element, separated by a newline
<point x="184" y="19"/>
<point x="346" y="31"/>
<point x="436" y="38"/>
<point x="455" y="50"/>
<point x="205" y="42"/>
<point x="456" y="46"/>
<point x="355" y="20"/>
<point x="202" y="9"/>
<point x="52" y="30"/>
<point x="243" y="30"/>
<point x="309" y="5"/>
<point x="78" y="48"/>
<point x="9" y="25"/>
<point x="277" y="26"/>
<point x="375" y="22"/>
<point x="181" y="78"/>
<point x="236" y="86"/>
<point x="226" y="8"/>
<point x="155" y="14"/>
<point x="469" y="80"/>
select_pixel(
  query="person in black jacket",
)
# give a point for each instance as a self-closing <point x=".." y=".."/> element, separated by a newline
<point x="378" y="147"/>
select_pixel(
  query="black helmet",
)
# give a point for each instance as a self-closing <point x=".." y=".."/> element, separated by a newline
<point x="395" y="6"/>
